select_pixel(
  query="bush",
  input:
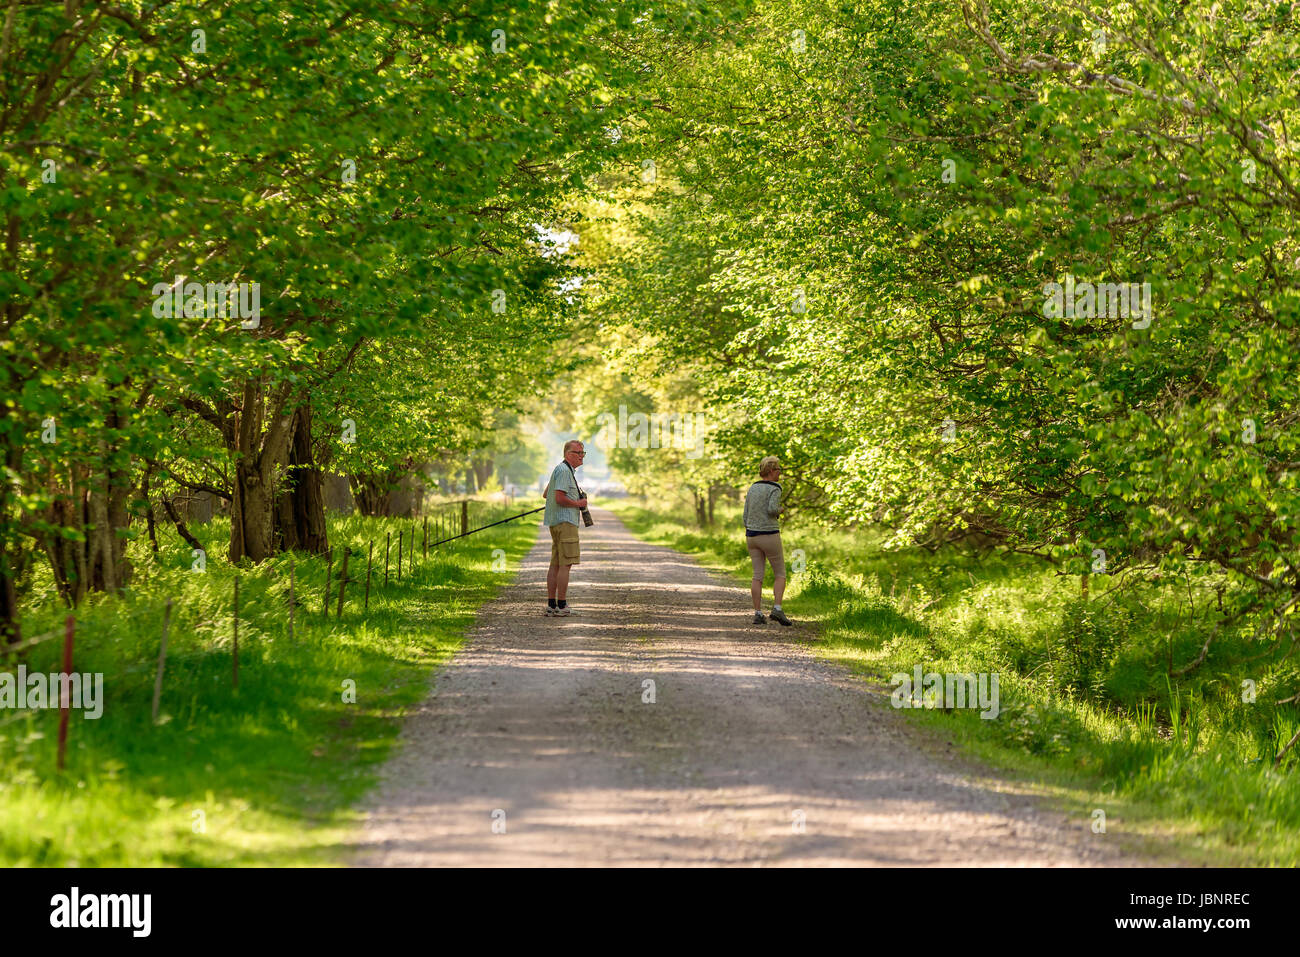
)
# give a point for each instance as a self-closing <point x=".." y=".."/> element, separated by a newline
<point x="1083" y="656"/>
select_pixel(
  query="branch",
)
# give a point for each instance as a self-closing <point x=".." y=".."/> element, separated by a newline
<point x="180" y="525"/>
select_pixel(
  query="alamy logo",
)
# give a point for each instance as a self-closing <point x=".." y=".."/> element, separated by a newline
<point x="657" y="430"/>
<point x="198" y="300"/>
<point x="1100" y="300"/>
<point x="103" y="910"/>
<point x="39" y="690"/>
<point x="933" y="690"/>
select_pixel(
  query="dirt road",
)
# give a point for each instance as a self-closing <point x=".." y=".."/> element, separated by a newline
<point x="542" y="744"/>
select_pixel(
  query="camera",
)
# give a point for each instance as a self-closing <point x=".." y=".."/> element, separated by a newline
<point x="587" y="520"/>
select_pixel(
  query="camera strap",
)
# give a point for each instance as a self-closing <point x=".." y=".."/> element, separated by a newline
<point x="575" y="478"/>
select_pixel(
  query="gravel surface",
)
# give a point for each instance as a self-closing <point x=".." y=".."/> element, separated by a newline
<point x="537" y="746"/>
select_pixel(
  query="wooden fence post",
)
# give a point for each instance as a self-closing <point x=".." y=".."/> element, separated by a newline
<point x="343" y="581"/>
<point x="65" y="688"/>
<point x="388" y="544"/>
<point x="464" y="517"/>
<point x="424" y="542"/>
<point x="369" y="555"/>
<point x="162" y="657"/>
<point x="400" y="533"/>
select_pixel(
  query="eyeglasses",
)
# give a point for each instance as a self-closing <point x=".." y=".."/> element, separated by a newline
<point x="576" y="452"/>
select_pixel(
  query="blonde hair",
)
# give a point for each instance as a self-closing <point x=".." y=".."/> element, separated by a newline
<point x="768" y="466"/>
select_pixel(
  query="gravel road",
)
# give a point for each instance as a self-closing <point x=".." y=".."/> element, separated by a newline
<point x="539" y="745"/>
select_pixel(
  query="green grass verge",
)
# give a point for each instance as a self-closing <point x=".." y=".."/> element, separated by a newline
<point x="263" y="775"/>
<point x="1088" y="716"/>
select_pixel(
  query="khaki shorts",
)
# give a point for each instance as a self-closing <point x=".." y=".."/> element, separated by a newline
<point x="564" y="544"/>
<point x="766" y="548"/>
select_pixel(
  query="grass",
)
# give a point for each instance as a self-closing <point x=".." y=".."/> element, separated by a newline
<point x="1089" y="716"/>
<point x="266" y="774"/>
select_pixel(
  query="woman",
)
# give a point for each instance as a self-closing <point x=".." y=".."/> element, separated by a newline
<point x="763" y="537"/>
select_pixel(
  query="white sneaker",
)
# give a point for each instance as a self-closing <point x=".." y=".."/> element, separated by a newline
<point x="564" y="612"/>
<point x="551" y="612"/>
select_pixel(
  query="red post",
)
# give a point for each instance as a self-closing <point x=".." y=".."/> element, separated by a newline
<point x="65" y="691"/>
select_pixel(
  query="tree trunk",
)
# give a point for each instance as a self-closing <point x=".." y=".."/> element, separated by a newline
<point x="372" y="492"/>
<point x="102" y="567"/>
<point x="117" y="470"/>
<point x="300" y="511"/>
<point x="108" y="513"/>
<point x="67" y="557"/>
<point x="338" y="494"/>
<point x="260" y="457"/>
<point x="11" y="631"/>
<point x="252" y="526"/>
<point x="393" y="494"/>
<point x="150" y="522"/>
<point x="81" y="553"/>
<point x="96" y="561"/>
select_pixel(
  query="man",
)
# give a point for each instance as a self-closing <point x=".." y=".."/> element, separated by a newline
<point x="563" y="501"/>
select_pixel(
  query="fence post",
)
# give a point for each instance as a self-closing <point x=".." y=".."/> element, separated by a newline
<point x="369" y="555"/>
<point x="65" y="688"/>
<point x="388" y="544"/>
<point x="162" y="657"/>
<point x="343" y="581"/>
<point x="464" y="517"/>
<point x="400" y="533"/>
<point x="234" y="683"/>
<point x="424" y="542"/>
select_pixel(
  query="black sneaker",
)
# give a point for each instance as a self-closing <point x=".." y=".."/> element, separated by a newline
<point x="759" y="619"/>
<point x="779" y="615"/>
